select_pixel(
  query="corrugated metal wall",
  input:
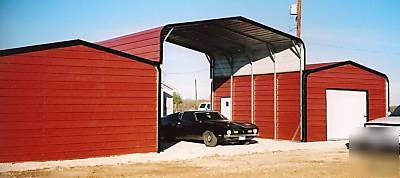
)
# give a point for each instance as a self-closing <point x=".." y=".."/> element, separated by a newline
<point x="221" y="88"/>
<point x="75" y="102"/>
<point x="344" y="77"/>
<point x="264" y="104"/>
<point x="145" y="44"/>
<point x="241" y="100"/>
<point x="288" y="103"/>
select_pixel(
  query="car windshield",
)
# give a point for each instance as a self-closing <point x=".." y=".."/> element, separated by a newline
<point x="209" y="116"/>
<point x="396" y="112"/>
<point x="202" y="105"/>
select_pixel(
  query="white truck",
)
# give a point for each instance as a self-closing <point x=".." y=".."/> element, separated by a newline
<point x="204" y="107"/>
<point x="378" y="134"/>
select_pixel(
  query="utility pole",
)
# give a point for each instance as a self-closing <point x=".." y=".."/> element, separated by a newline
<point x="298" y="19"/>
<point x="195" y="90"/>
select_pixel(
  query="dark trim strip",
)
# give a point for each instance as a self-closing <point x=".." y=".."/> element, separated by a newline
<point x="159" y="105"/>
<point x="304" y="98"/>
<point x="69" y="43"/>
<point x="388" y="95"/>
<point x="304" y="107"/>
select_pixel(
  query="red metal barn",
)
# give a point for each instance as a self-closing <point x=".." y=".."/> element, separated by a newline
<point x="340" y="96"/>
<point x="75" y="99"/>
<point x="336" y="98"/>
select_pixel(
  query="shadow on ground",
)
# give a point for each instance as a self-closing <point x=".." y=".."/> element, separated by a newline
<point x="165" y="144"/>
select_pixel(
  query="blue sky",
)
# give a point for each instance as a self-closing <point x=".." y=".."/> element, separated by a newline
<point x="366" y="31"/>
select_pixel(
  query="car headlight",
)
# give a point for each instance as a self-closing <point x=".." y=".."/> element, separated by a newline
<point x="228" y="132"/>
<point x="255" y="131"/>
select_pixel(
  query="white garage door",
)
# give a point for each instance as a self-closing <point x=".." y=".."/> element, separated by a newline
<point x="346" y="110"/>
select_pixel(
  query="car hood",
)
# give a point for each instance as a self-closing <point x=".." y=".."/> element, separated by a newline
<point x="231" y="124"/>
<point x="392" y="120"/>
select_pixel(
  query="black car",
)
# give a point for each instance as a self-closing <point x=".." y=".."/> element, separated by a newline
<point x="209" y="126"/>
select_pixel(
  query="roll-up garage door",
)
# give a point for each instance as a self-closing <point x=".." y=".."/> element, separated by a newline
<point x="346" y="110"/>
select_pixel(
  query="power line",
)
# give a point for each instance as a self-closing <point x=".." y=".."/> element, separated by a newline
<point x="188" y="72"/>
<point x="195" y="90"/>
<point x="354" y="49"/>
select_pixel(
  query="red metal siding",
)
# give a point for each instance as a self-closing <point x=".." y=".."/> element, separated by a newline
<point x="288" y="109"/>
<point x="241" y="101"/>
<point x="221" y="88"/>
<point x="344" y="77"/>
<point x="145" y="44"/>
<point x="319" y="65"/>
<point x="75" y="102"/>
<point x="288" y="105"/>
<point x="264" y="104"/>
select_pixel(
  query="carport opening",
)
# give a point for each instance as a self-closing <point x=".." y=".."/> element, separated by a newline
<point x="236" y="47"/>
<point x="188" y="72"/>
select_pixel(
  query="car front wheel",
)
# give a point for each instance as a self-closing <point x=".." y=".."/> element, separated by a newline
<point x="210" y="139"/>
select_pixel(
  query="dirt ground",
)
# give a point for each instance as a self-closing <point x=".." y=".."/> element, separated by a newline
<point x="295" y="163"/>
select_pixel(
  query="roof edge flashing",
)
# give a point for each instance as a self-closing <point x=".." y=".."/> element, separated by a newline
<point x="68" y="43"/>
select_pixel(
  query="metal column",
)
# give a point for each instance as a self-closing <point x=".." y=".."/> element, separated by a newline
<point x="231" y="87"/>
<point x="275" y="103"/>
<point x="298" y="53"/>
<point x="301" y="95"/>
<point x="212" y="80"/>
<point x="250" y="57"/>
<point x="252" y="92"/>
<point x="275" y="95"/>
<point x="231" y="94"/>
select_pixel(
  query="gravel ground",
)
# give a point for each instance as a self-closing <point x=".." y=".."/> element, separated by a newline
<point x="266" y="158"/>
<point x="179" y="151"/>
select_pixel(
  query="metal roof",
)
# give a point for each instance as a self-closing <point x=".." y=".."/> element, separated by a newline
<point x="233" y="35"/>
<point x="227" y="35"/>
